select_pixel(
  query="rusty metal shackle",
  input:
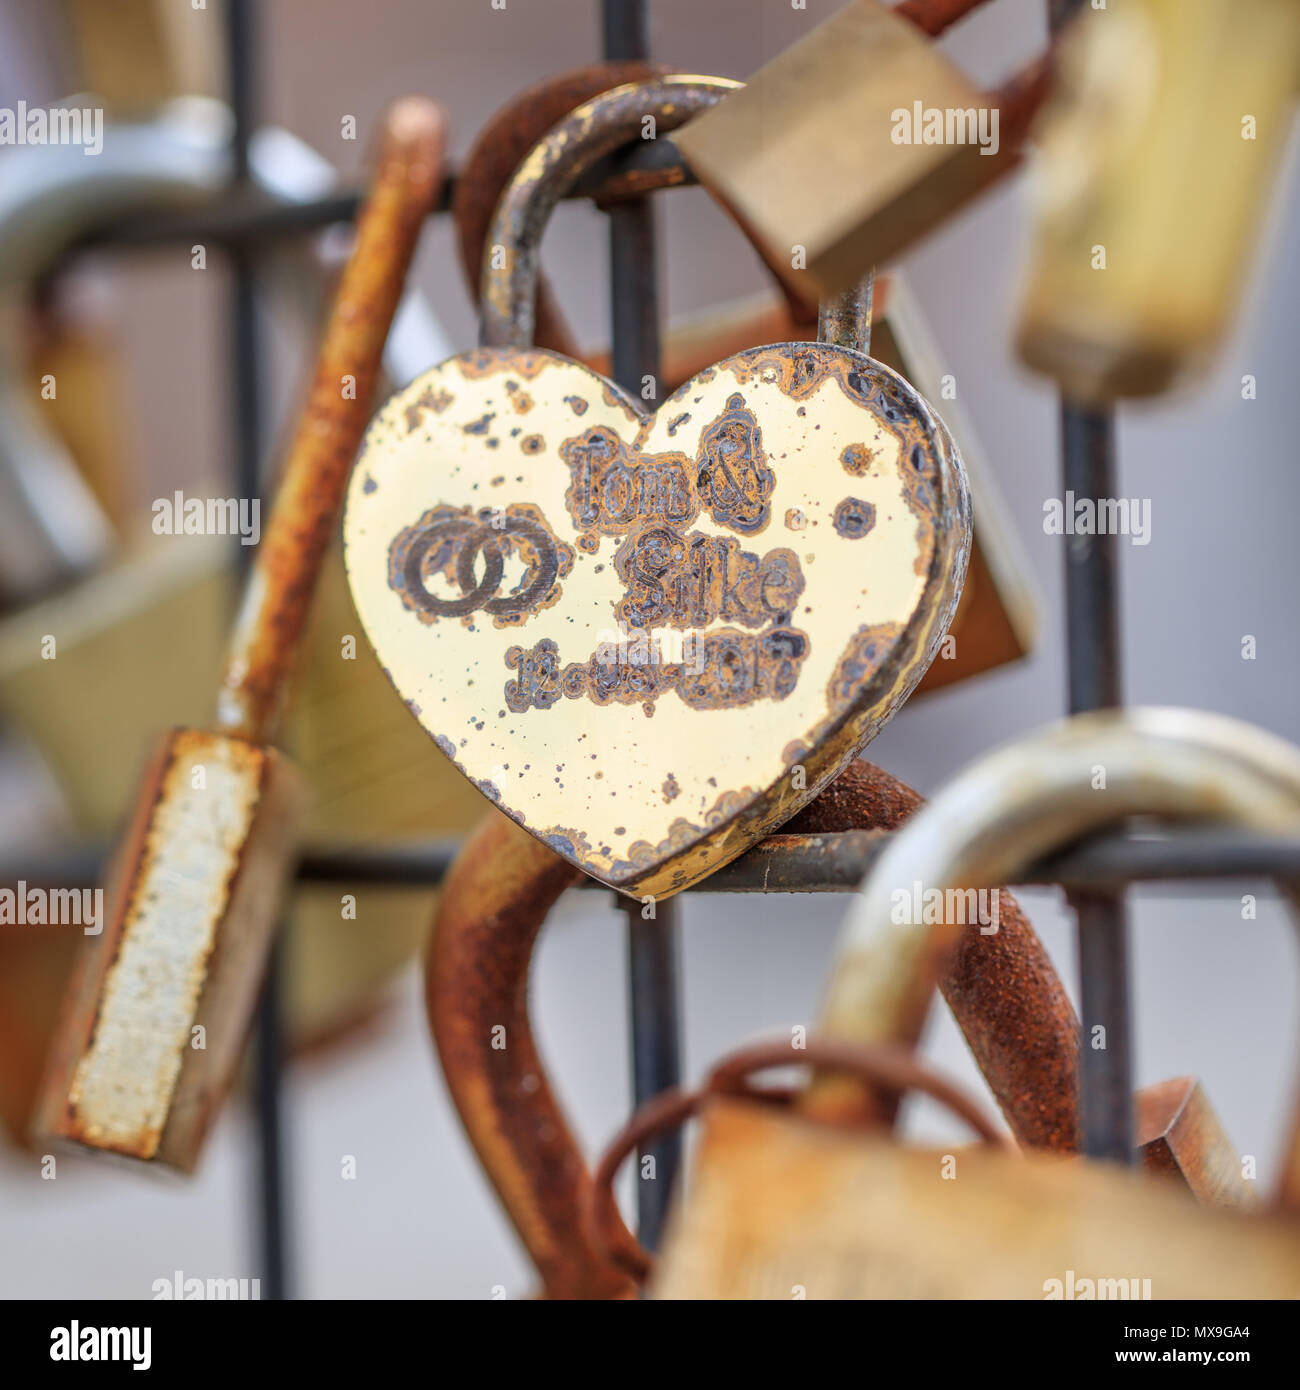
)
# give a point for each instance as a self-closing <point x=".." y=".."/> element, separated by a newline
<point x="893" y="1070"/>
<point x="1004" y="993"/>
<point x="1018" y="803"/>
<point x="511" y="255"/>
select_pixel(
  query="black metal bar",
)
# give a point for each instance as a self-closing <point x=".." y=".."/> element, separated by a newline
<point x="1091" y="563"/>
<point x="1092" y="625"/>
<point x="249" y="215"/>
<point x="272" y="1226"/>
<point x="625" y="30"/>
<point x="1093" y="644"/>
<point x="833" y="863"/>
<point x="1105" y="1018"/>
<point x="653" y="994"/>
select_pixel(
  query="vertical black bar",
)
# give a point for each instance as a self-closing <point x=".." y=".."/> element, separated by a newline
<point x="654" y="991"/>
<point x="652" y="944"/>
<point x="246" y="371"/>
<point x="1092" y="623"/>
<point x="1092" y="615"/>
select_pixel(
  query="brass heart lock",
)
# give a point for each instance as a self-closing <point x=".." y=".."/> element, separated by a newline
<point x="764" y="566"/>
<point x="782" y="1201"/>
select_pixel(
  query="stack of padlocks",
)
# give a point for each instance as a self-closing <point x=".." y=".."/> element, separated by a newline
<point x="652" y="640"/>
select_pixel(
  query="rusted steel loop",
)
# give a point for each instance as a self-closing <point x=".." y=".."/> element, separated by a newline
<point x="499" y="149"/>
<point x="1003" y="992"/>
<point x="1015" y="804"/>
<point x="518" y="127"/>
<point x="593" y="130"/>
<point x="277" y="599"/>
<point x="896" y="1070"/>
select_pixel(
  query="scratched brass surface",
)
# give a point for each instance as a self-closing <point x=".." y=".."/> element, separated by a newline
<point x="526" y="552"/>
<point x="779" y="1208"/>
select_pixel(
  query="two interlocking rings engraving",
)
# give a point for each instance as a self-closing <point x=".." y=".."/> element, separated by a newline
<point x="470" y="537"/>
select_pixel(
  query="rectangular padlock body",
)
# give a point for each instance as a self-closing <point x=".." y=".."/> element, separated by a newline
<point x="162" y="999"/>
<point x="1154" y="187"/>
<point x="806" y="153"/>
<point x="779" y="1207"/>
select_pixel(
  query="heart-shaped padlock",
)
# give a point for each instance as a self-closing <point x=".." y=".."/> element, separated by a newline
<point x="650" y="639"/>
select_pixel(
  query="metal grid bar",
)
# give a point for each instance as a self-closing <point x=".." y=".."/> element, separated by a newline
<point x="654" y="995"/>
<point x="832" y="863"/>
<point x="246" y="214"/>
<point x="1093" y="642"/>
<point x="246" y="372"/>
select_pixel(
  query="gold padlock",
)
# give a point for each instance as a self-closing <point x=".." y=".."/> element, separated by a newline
<point x="543" y="569"/>
<point x="782" y="1203"/>
<point x="856" y="141"/>
<point x="1156" y="160"/>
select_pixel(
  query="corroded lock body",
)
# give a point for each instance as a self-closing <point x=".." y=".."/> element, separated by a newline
<point x="650" y="638"/>
<point x="1156" y="162"/>
<point x="835" y="172"/>
<point x="780" y="1200"/>
<point x="159" y="1006"/>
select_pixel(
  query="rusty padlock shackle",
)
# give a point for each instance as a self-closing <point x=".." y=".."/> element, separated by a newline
<point x="498" y="150"/>
<point x="896" y="1070"/>
<point x="1003" y="991"/>
<point x="586" y="135"/>
<point x="184" y="945"/>
<point x="277" y="598"/>
<point x="1020" y="802"/>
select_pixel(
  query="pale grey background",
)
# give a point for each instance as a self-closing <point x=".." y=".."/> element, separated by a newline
<point x="1216" y="996"/>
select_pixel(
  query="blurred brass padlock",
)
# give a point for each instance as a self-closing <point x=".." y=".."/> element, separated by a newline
<point x="780" y="1205"/>
<point x="1155" y="167"/>
<point x="853" y="143"/>
<point x="765" y="567"/>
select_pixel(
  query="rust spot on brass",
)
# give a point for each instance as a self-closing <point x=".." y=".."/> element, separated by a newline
<point x="857" y="459"/>
<point x="854" y="518"/>
<point x="430" y="399"/>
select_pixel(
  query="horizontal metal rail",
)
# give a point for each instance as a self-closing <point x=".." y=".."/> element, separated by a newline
<point x="249" y="215"/>
<point x="780" y="864"/>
